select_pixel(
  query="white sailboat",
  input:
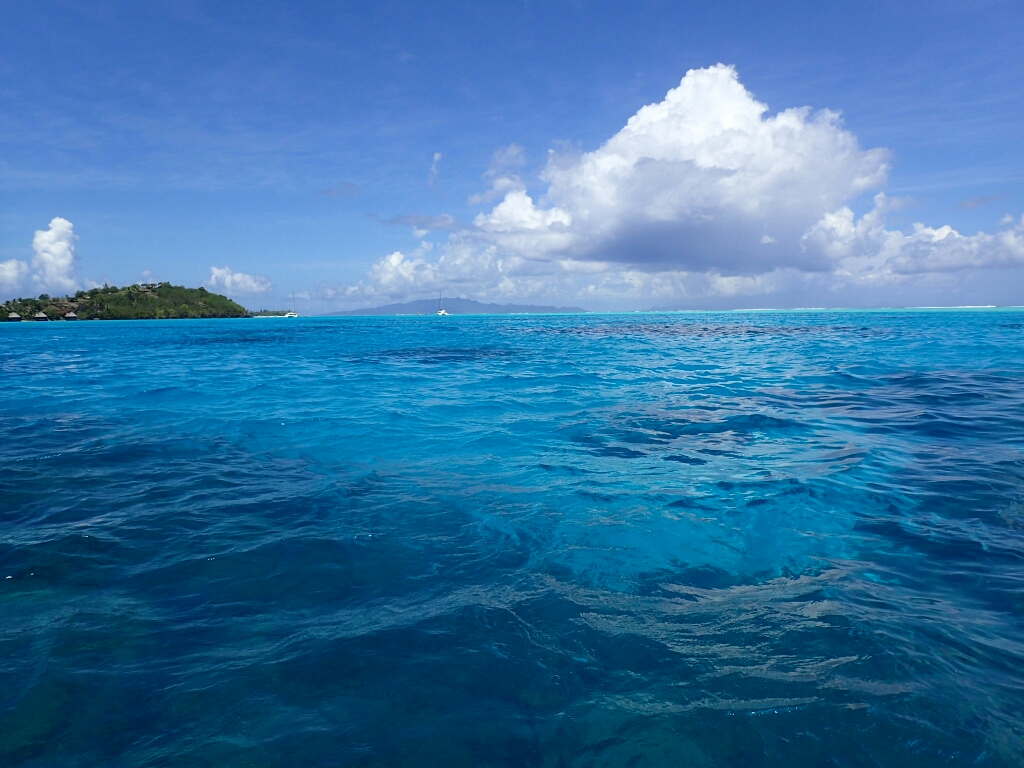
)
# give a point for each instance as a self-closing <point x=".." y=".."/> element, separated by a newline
<point x="293" y="313"/>
<point x="440" y="309"/>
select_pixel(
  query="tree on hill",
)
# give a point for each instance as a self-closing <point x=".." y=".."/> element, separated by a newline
<point x="151" y="301"/>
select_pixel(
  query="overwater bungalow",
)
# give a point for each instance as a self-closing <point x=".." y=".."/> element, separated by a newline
<point x="13" y="317"/>
<point x="70" y="316"/>
<point x="40" y="316"/>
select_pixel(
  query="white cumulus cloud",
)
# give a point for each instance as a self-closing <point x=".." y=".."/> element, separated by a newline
<point x="696" y="181"/>
<point x="12" y="272"/>
<point x="705" y="193"/>
<point x="54" y="259"/>
<point x="396" y="274"/>
<point x="865" y="249"/>
<point x="227" y="280"/>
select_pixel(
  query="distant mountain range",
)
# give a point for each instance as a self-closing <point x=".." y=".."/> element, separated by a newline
<point x="457" y="307"/>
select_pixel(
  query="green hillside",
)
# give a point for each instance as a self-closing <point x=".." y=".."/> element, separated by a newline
<point x="152" y="301"/>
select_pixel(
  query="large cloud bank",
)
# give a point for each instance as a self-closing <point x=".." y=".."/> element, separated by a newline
<point x="701" y="194"/>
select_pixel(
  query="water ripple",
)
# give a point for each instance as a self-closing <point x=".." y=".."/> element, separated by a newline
<point x="708" y="539"/>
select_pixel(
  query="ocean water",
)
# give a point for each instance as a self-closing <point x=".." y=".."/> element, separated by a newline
<point x="699" y="539"/>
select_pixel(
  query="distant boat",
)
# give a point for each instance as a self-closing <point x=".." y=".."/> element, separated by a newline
<point x="291" y="314"/>
<point x="440" y="310"/>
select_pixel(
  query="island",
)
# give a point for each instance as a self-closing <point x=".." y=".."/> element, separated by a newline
<point x="144" y="301"/>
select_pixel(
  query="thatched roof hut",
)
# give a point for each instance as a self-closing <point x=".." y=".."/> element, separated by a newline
<point x="40" y="316"/>
<point x="13" y="317"/>
<point x="71" y="316"/>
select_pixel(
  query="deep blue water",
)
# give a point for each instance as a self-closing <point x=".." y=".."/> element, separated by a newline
<point x="750" y="539"/>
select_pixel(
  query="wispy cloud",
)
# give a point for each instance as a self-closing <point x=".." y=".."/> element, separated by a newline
<point x="502" y="174"/>
<point x="434" y="169"/>
<point x="977" y="202"/>
<point x="420" y="221"/>
<point x="345" y="189"/>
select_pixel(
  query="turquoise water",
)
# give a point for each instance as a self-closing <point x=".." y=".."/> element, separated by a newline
<point x="736" y="539"/>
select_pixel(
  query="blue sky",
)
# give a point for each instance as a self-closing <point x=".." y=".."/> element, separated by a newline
<point x="356" y="154"/>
